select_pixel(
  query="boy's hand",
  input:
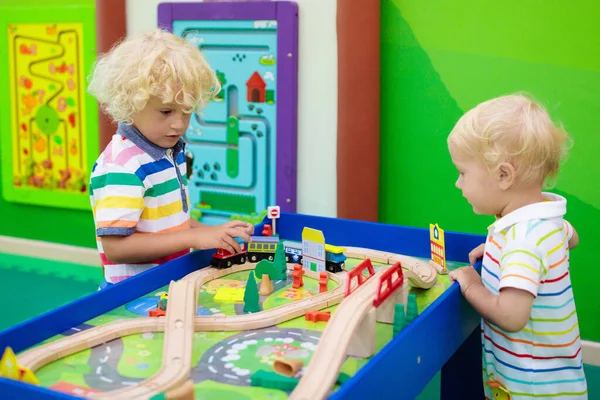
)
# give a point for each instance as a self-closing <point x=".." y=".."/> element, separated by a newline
<point x="466" y="278"/>
<point x="476" y="253"/>
<point x="222" y="236"/>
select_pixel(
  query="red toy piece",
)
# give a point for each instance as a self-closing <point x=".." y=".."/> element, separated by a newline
<point x="357" y="272"/>
<point x="157" y="312"/>
<point x="390" y="281"/>
<point x="297" y="274"/>
<point x="323" y="278"/>
<point x="267" y="230"/>
<point x="316" y="316"/>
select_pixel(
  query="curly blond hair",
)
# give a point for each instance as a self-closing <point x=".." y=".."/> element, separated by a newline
<point x="155" y="63"/>
<point x="514" y="129"/>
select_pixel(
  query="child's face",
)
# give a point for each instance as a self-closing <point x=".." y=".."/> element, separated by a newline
<point x="477" y="184"/>
<point x="162" y="124"/>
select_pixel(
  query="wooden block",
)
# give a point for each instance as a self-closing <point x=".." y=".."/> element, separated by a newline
<point x="362" y="343"/>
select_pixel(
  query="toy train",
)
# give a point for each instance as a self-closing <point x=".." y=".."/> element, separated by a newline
<point x="334" y="256"/>
<point x="264" y="247"/>
<point x="259" y="248"/>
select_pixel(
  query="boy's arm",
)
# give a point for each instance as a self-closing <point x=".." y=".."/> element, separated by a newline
<point x="510" y="310"/>
<point x="141" y="247"/>
<point x="521" y="269"/>
<point x="194" y="223"/>
<point x="572" y="235"/>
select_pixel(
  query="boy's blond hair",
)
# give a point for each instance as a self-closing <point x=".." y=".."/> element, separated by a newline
<point x="155" y="63"/>
<point x="514" y="129"/>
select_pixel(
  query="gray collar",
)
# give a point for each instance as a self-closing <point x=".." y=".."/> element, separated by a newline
<point x="131" y="133"/>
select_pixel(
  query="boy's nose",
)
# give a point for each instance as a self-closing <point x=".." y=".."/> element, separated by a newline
<point x="179" y="123"/>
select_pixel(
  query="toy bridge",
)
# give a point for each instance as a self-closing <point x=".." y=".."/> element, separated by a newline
<point x="352" y="330"/>
<point x="357" y="274"/>
<point x="390" y="281"/>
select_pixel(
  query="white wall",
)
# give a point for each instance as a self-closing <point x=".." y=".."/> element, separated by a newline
<point x="317" y="97"/>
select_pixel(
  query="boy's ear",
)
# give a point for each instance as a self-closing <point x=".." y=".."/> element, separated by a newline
<point x="506" y="176"/>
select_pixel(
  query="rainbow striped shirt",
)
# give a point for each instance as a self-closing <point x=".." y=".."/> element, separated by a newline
<point x="528" y="249"/>
<point x="138" y="187"/>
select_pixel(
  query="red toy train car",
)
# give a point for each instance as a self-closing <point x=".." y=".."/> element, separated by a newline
<point x="225" y="259"/>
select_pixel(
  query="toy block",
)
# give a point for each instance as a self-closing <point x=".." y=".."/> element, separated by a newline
<point x="229" y="295"/>
<point x="157" y="312"/>
<point x="251" y="295"/>
<point x="385" y="312"/>
<point x="323" y="278"/>
<point x="266" y="267"/>
<point x="362" y="343"/>
<point x="287" y="367"/>
<point x="267" y="231"/>
<point x="313" y="249"/>
<point x="266" y="286"/>
<point x="9" y="368"/>
<point x="399" y="319"/>
<point x="438" y="248"/>
<point x="28" y="377"/>
<point x="272" y="380"/>
<point x="297" y="274"/>
<point x="412" y="309"/>
<point x="280" y="262"/>
<point x="342" y="378"/>
<point x="317" y="316"/>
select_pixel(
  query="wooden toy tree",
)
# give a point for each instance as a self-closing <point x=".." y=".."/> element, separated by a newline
<point x="280" y="263"/>
<point x="266" y="267"/>
<point x="251" y="295"/>
<point x="266" y="270"/>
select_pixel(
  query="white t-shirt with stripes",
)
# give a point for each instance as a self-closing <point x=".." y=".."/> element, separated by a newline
<point x="528" y="250"/>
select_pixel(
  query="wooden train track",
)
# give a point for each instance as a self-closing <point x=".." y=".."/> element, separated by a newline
<point x="181" y="322"/>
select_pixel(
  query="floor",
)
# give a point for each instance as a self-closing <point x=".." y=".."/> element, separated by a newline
<point x="38" y="285"/>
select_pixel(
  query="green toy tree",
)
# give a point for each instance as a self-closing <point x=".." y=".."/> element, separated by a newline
<point x="412" y="310"/>
<point x="251" y="295"/>
<point x="399" y="319"/>
<point x="280" y="263"/>
<point x="266" y="267"/>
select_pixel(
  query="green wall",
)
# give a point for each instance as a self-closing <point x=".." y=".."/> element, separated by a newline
<point x="439" y="59"/>
<point x="46" y="223"/>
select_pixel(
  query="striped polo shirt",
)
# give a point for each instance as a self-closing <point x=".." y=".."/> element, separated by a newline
<point x="138" y="187"/>
<point x="528" y="250"/>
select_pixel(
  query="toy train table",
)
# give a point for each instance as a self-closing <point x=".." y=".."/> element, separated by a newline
<point x="272" y="329"/>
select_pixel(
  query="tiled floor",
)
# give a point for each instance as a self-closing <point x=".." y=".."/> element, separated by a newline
<point x="36" y="286"/>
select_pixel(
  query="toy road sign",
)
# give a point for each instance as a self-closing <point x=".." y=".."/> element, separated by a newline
<point x="273" y="212"/>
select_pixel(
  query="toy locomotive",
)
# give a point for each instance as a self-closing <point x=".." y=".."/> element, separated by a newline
<point x="264" y="247"/>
